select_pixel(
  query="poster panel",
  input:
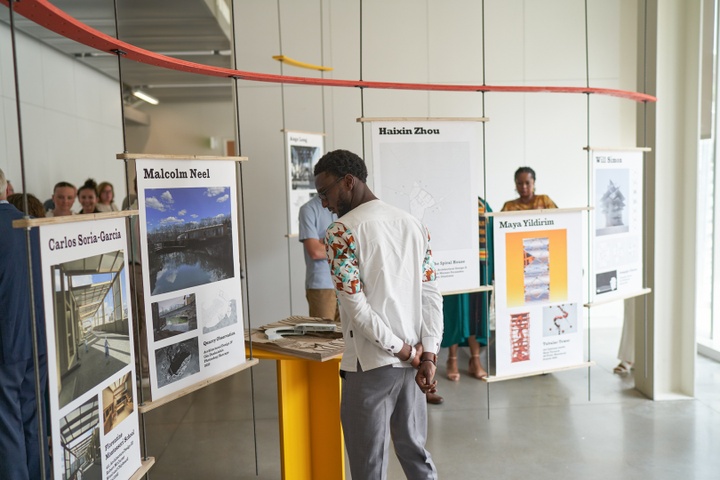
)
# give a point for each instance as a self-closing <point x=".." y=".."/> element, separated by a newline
<point x="616" y="224"/>
<point x="191" y="270"/>
<point x="415" y="168"/>
<point x="538" y="288"/>
<point x="91" y="366"/>
<point x="304" y="151"/>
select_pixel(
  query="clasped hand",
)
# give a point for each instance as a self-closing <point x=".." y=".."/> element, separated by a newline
<point x="425" y="377"/>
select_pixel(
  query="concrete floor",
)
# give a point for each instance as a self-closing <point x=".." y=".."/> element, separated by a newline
<point x="540" y="427"/>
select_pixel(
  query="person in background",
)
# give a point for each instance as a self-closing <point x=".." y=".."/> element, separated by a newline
<point x="131" y="198"/>
<point x="49" y="204"/>
<point x="87" y="194"/>
<point x="319" y="289"/>
<point x="63" y="198"/>
<point x="20" y="451"/>
<point x="35" y="207"/>
<point x="466" y="315"/>
<point x="391" y="316"/>
<point x="106" y="202"/>
<point x="528" y="200"/>
<point x="626" y="351"/>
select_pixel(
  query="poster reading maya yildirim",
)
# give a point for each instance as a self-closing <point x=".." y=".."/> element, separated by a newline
<point x="191" y="270"/>
<point x="92" y="393"/>
<point x="538" y="288"/>
<point x="415" y="165"/>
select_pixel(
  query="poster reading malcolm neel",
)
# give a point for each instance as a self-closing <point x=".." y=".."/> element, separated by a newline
<point x="191" y="273"/>
<point x="90" y="350"/>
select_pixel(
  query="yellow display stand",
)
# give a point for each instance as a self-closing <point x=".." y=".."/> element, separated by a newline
<point x="311" y="441"/>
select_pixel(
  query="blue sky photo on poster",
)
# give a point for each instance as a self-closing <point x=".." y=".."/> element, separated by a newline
<point x="189" y="236"/>
<point x="184" y="206"/>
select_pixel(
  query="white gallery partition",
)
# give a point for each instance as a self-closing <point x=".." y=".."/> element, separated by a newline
<point x="524" y="43"/>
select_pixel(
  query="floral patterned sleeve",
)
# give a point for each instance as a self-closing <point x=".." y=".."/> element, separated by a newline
<point x="429" y="274"/>
<point x="341" y="250"/>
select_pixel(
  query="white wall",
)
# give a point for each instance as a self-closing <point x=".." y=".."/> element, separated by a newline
<point x="72" y="126"/>
<point x="183" y="129"/>
<point x="526" y="43"/>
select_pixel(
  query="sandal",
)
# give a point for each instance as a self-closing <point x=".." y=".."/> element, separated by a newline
<point x="452" y="369"/>
<point x="475" y="367"/>
<point x="623" y="368"/>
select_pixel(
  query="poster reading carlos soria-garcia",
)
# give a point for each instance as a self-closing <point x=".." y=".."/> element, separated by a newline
<point x="191" y="273"/>
<point x="91" y="367"/>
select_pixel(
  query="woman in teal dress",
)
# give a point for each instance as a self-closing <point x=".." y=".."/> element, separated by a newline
<point x="466" y="314"/>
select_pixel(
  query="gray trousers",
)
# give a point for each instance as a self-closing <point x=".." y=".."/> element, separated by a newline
<point x="376" y="405"/>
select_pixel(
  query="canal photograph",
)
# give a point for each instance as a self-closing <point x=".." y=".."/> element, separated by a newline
<point x="189" y="237"/>
<point x="174" y="316"/>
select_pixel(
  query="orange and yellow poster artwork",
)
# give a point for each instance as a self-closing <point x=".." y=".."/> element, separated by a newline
<point x="536" y="266"/>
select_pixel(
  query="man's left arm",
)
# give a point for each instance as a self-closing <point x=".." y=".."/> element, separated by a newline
<point x="432" y="324"/>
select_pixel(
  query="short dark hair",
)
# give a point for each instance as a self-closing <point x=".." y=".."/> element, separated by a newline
<point x="522" y="170"/>
<point x="89" y="185"/>
<point x="340" y="163"/>
<point x="63" y="185"/>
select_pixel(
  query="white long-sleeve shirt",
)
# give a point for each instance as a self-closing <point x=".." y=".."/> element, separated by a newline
<point x="383" y="271"/>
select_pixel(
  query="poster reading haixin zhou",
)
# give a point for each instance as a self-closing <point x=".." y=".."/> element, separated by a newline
<point x="415" y="165"/>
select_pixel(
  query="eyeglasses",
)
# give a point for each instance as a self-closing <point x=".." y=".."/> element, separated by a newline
<point x="326" y="190"/>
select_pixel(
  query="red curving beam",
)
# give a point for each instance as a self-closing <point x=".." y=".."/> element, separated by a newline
<point x="47" y="15"/>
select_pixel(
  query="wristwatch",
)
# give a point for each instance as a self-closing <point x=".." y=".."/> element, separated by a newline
<point x="413" y="352"/>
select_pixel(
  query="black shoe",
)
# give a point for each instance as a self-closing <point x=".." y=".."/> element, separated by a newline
<point x="434" y="398"/>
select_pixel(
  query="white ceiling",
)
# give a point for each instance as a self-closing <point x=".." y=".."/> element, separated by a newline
<point x="185" y="29"/>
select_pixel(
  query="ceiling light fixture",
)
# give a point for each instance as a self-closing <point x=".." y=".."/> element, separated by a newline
<point x="144" y="96"/>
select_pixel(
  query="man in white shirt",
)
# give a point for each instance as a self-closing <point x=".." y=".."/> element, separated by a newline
<point x="391" y="316"/>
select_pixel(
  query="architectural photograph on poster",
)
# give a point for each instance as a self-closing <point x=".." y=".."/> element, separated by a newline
<point x="117" y="402"/>
<point x="91" y="320"/>
<point x="302" y="159"/>
<point x="177" y="361"/>
<point x="80" y="441"/>
<point x="174" y="316"/>
<point x="218" y="311"/>
<point x="606" y="282"/>
<point x="611" y="187"/>
<point x="189" y="237"/>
